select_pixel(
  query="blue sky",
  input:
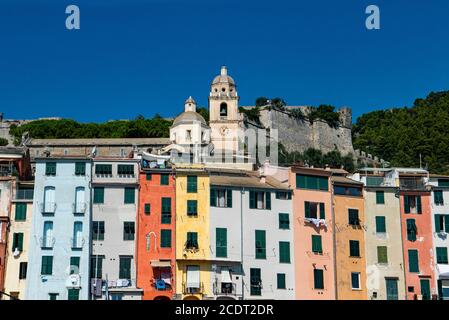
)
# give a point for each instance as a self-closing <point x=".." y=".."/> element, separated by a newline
<point x="145" y="57"/>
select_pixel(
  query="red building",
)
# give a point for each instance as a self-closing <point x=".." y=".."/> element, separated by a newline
<point x="155" y="256"/>
<point x="417" y="237"/>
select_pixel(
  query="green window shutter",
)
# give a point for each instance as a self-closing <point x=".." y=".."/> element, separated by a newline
<point x="192" y="184"/>
<point x="284" y="252"/>
<point x="317" y="246"/>
<point x="147" y="208"/>
<point x="284" y="221"/>
<point x="380" y="197"/>
<point x="438" y="226"/>
<point x="323" y="184"/>
<point x="413" y="261"/>
<point x="125" y="169"/>
<point x="148" y="176"/>
<point x="192" y="208"/>
<point x="221" y="242"/>
<point x="73" y="294"/>
<point x="47" y="265"/>
<point x="261" y="251"/>
<point x="96" y="270"/>
<point x="229" y="198"/>
<point x="166" y="211"/>
<point x="438" y="197"/>
<point x="446" y="223"/>
<point x="418" y="204"/>
<point x="17" y="242"/>
<point x="318" y="279"/>
<point x="252" y="199"/>
<point x="125" y="268"/>
<point x="165" y="238"/>
<point x="380" y="224"/>
<point x="300" y="181"/>
<point x="80" y="168"/>
<point x="441" y="255"/>
<point x="192" y="239"/>
<point x="164" y="179"/>
<point x="354" y="248"/>
<point x="382" y="254"/>
<point x="50" y="168"/>
<point x="129" y="195"/>
<point x="406" y="204"/>
<point x="278" y="196"/>
<point x="255" y="282"/>
<point x="21" y="211"/>
<point x="281" y="283"/>
<point x="268" y="200"/>
<point x="322" y="211"/>
<point x="307" y="209"/>
<point x="98" y="194"/>
<point x="128" y="231"/>
<point x="74" y="265"/>
<point x="213" y="197"/>
<point x="411" y="230"/>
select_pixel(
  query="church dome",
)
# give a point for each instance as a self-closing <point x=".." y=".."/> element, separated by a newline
<point x="189" y="117"/>
<point x="223" y="77"/>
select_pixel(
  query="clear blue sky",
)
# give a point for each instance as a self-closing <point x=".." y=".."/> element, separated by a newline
<point x="147" y="56"/>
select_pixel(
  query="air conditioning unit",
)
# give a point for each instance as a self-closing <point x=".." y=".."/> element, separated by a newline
<point x="73" y="281"/>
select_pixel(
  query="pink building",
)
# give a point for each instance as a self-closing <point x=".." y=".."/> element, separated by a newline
<point x="313" y="234"/>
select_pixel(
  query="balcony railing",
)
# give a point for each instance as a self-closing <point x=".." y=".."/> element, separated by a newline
<point x="411" y="184"/>
<point x="222" y="288"/>
<point x="24" y="194"/>
<point x="191" y="290"/>
<point x="47" y="207"/>
<point x="79" y="207"/>
<point x="47" y="242"/>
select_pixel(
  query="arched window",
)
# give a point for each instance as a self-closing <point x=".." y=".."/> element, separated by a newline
<point x="223" y="110"/>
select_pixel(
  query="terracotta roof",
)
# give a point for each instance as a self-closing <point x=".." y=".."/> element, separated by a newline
<point x="344" y="180"/>
<point x="243" y="179"/>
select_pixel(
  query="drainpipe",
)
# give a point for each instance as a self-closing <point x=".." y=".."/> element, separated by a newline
<point x="241" y="239"/>
<point x="334" y="239"/>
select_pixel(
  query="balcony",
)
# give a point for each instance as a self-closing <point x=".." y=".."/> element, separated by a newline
<point x="192" y="290"/>
<point x="411" y="184"/>
<point x="24" y="194"/>
<point x="47" y="207"/>
<point x="77" y="243"/>
<point x="226" y="289"/>
<point x="47" y="242"/>
<point x="79" y="208"/>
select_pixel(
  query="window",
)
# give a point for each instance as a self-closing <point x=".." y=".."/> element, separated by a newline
<point x="23" y="266"/>
<point x="256" y="282"/>
<point x="164" y="179"/>
<point x="260" y="200"/>
<point x="382" y="255"/>
<point x="317" y="246"/>
<point x="354" y="248"/>
<point x="98" y="194"/>
<point x="188" y="135"/>
<point x="411" y="230"/>
<point x="380" y="225"/>
<point x="80" y="202"/>
<point x="98" y="230"/>
<point x="73" y="294"/>
<point x="442" y="255"/>
<point x="284" y="252"/>
<point x="442" y="223"/>
<point x="413" y="260"/>
<point x="438" y="197"/>
<point x="281" y="283"/>
<point x="47" y="238"/>
<point x="17" y="241"/>
<point x="49" y="199"/>
<point x="166" y="211"/>
<point x="103" y="169"/>
<point x="77" y="241"/>
<point x="221" y="198"/>
<point x="47" y="265"/>
<point x="355" y="280"/>
<point x="147" y="208"/>
<point x="412" y="204"/>
<point x="312" y="182"/>
<point x="96" y="267"/>
<point x="380" y="197"/>
<point x="128" y="231"/>
<point x="192" y="208"/>
<point x="223" y="109"/>
<point x="318" y="279"/>
<point x="74" y="265"/>
<point x="21" y="212"/>
<point x="53" y="296"/>
<point x="165" y="238"/>
<point x="353" y="217"/>
<point x="125" y="267"/>
<point x="148" y="176"/>
<point x="284" y="221"/>
<point x="80" y="168"/>
<point x="129" y="195"/>
<point x="125" y="169"/>
<point x="283" y="195"/>
<point x="192" y="184"/>
<point x="221" y="235"/>
<point x="50" y="169"/>
<point x="348" y="191"/>
<point x="260" y="245"/>
<point x="443" y="182"/>
<point x="311" y="210"/>
<point x="192" y="240"/>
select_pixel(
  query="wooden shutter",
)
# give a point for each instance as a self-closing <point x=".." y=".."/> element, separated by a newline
<point x="380" y="224"/>
<point x="418" y="204"/>
<point x="446" y="223"/>
<point x="268" y="200"/>
<point x="213" y="197"/>
<point x="406" y="204"/>
<point x="318" y="278"/>
<point x="284" y="252"/>
<point x="252" y="199"/>
<point x="229" y="198"/>
<point x="260" y="244"/>
<point x="147" y="208"/>
<point x="438" y="223"/>
<point x="413" y="260"/>
<point x="221" y="242"/>
<point x="382" y="254"/>
<point x="322" y="211"/>
<point x="307" y="209"/>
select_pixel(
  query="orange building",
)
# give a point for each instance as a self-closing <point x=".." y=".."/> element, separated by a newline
<point x="156" y="234"/>
<point x="349" y="225"/>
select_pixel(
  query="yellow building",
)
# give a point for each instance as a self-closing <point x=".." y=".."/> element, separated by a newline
<point x="18" y="239"/>
<point x="349" y="226"/>
<point x="193" y="267"/>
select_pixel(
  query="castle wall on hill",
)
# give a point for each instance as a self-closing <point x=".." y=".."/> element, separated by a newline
<point x="299" y="135"/>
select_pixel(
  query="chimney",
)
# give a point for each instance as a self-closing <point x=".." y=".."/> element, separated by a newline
<point x="262" y="176"/>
